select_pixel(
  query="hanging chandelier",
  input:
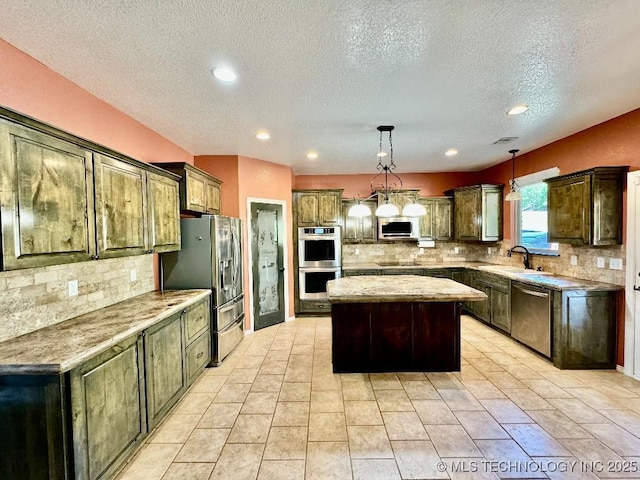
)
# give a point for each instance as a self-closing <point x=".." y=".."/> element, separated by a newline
<point x="514" y="194"/>
<point x="392" y="184"/>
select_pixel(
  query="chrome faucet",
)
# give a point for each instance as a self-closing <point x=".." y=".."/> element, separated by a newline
<point x="525" y="257"/>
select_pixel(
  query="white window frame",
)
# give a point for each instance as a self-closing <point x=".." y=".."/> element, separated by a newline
<point x="516" y="211"/>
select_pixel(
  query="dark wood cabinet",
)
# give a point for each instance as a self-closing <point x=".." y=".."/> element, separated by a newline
<point x="165" y="376"/>
<point x="437" y="223"/>
<point x="584" y="329"/>
<point x="46" y="198"/>
<point x="86" y="422"/>
<point x="585" y="208"/>
<point x="64" y="199"/>
<point x="199" y="191"/>
<point x="108" y="409"/>
<point x="477" y="213"/>
<point x="121" y="207"/>
<point x="391" y="337"/>
<point x="359" y="229"/>
<point x="312" y="208"/>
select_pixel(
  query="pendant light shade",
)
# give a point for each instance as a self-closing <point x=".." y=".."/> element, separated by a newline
<point x="359" y="210"/>
<point x="514" y="195"/>
<point x="382" y="190"/>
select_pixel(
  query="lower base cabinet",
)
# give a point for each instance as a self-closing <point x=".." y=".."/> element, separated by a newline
<point x="85" y="423"/>
<point x="108" y="409"/>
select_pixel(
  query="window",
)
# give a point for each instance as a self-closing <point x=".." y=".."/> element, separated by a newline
<point x="530" y="213"/>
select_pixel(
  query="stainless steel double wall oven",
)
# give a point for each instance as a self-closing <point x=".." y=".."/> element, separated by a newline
<point x="319" y="260"/>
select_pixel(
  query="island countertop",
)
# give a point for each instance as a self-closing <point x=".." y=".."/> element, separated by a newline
<point x="65" y="345"/>
<point x="399" y="288"/>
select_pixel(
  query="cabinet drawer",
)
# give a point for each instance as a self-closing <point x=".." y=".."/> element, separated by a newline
<point x="198" y="356"/>
<point x="314" y="307"/>
<point x="196" y="320"/>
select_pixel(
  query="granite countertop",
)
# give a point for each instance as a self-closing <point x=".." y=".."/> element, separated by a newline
<point x="531" y="277"/>
<point x="399" y="288"/>
<point x="65" y="345"/>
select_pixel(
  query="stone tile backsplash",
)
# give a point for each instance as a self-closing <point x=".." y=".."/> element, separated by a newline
<point x="35" y="298"/>
<point x="445" y="252"/>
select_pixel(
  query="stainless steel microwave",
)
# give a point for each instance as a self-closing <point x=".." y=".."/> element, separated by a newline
<point x="398" y="228"/>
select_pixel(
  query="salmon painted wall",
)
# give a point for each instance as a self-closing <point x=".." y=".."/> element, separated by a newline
<point x="245" y="177"/>
<point x="612" y="143"/>
<point x="225" y="169"/>
<point x="33" y="89"/>
<point x="429" y="184"/>
<point x="260" y="179"/>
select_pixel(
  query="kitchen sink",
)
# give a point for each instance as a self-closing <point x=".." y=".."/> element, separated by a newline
<point x="512" y="270"/>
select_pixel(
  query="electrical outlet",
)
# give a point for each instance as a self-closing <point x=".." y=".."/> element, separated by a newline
<point x="615" y="263"/>
<point x="134" y="276"/>
<point x="456" y="250"/>
<point x="600" y="262"/>
<point x="574" y="260"/>
<point x="357" y="251"/>
<point x="421" y="250"/>
<point x="73" y="288"/>
<point x="489" y="250"/>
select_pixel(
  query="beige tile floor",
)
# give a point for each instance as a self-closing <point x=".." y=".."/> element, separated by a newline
<point x="275" y="410"/>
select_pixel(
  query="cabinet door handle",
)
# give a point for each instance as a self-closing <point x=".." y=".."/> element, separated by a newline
<point x="636" y="288"/>
<point x="199" y="355"/>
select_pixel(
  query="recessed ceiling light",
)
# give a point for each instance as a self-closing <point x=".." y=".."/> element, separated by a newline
<point x="312" y="155"/>
<point x="263" y="136"/>
<point x="518" y="109"/>
<point x="451" y="152"/>
<point x="223" y="74"/>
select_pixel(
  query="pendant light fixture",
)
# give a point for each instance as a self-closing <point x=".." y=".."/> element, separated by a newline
<point x="514" y="194"/>
<point x="385" y="171"/>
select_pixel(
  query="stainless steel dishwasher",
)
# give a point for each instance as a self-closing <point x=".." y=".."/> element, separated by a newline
<point x="531" y="311"/>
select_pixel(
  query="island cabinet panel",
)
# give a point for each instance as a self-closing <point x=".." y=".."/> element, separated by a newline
<point x="584" y="326"/>
<point x="165" y="373"/>
<point x="164" y="214"/>
<point x="32" y="444"/>
<point x="46" y="199"/>
<point x="585" y="208"/>
<point x="396" y="336"/>
<point x="107" y="398"/>
<point x="358" y="229"/>
<point x="121" y="207"/>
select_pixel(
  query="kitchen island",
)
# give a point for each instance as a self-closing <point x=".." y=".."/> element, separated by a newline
<point x="396" y="324"/>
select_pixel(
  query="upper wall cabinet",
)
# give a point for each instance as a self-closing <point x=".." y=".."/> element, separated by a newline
<point x="199" y="191"/>
<point x="64" y="199"/>
<point x="164" y="215"/>
<point x="46" y="195"/>
<point x="478" y="213"/>
<point x="121" y="207"/>
<point x="399" y="198"/>
<point x="358" y="229"/>
<point x="585" y="208"/>
<point x="437" y="223"/>
<point x="313" y="208"/>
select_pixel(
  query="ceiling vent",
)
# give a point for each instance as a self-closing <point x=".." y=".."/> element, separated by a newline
<point x="503" y="140"/>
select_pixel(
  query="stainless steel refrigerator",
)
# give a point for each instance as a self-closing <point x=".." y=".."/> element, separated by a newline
<point x="211" y="257"/>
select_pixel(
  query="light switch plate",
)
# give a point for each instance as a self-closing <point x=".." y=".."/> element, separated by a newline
<point x="489" y="250"/>
<point x="357" y="251"/>
<point x="134" y="275"/>
<point x="615" y="263"/>
<point x="73" y="288"/>
<point x="574" y="260"/>
<point x="456" y="250"/>
<point x="421" y="250"/>
<point x="600" y="262"/>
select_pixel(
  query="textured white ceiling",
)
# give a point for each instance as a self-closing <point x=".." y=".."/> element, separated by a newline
<point x="321" y="75"/>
